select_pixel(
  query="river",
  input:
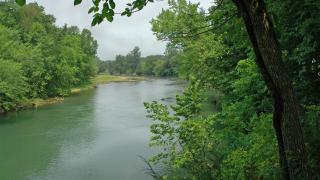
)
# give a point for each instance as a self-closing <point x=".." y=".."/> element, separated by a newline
<point x="97" y="134"/>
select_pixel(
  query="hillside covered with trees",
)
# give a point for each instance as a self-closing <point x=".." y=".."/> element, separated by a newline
<point x="39" y="59"/>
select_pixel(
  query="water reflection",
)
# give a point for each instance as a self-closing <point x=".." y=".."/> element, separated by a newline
<point x="95" y="135"/>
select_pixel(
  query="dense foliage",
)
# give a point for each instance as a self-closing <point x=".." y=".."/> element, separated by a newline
<point x="237" y="141"/>
<point x="134" y="64"/>
<point x="39" y="59"/>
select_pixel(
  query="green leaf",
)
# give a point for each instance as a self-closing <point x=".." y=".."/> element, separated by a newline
<point x="109" y="18"/>
<point x="96" y="20"/>
<point x="106" y="6"/>
<point x="112" y="4"/>
<point x="127" y="12"/>
<point x="111" y="12"/>
<point x="123" y="13"/>
<point x="91" y="10"/>
<point x="76" y="2"/>
<point x="21" y="2"/>
<point x="96" y="2"/>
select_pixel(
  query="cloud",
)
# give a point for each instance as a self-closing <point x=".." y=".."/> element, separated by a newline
<point x="118" y="37"/>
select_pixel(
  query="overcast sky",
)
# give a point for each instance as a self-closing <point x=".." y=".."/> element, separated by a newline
<point x="118" y="37"/>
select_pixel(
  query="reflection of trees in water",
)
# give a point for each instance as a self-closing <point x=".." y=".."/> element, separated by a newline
<point x="32" y="140"/>
<point x="92" y="135"/>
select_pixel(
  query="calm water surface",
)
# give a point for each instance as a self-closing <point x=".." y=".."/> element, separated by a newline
<point x="91" y="136"/>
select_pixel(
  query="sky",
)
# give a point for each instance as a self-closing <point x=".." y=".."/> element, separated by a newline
<point x="118" y="37"/>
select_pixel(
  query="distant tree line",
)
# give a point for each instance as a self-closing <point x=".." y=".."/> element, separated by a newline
<point x="133" y="64"/>
<point x="39" y="59"/>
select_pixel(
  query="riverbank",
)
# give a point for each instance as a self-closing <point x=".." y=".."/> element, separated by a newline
<point x="99" y="79"/>
<point x="104" y="79"/>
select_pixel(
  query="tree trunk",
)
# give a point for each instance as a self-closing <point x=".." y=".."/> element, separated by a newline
<point x="286" y="113"/>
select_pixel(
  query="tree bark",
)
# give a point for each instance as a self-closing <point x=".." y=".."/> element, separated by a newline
<point x="286" y="113"/>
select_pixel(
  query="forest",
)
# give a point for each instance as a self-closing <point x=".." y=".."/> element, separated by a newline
<point x="133" y="64"/>
<point x="39" y="59"/>
<point x="257" y="62"/>
<point x="241" y="140"/>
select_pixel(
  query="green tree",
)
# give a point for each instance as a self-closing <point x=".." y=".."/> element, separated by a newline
<point x="51" y="59"/>
<point x="12" y="85"/>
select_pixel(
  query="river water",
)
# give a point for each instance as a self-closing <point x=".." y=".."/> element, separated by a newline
<point x="95" y="135"/>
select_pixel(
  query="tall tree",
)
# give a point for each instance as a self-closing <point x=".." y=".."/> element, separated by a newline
<point x="286" y="115"/>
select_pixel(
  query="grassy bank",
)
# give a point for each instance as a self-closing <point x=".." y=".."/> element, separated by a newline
<point x="99" y="79"/>
<point x="104" y="78"/>
<point x="34" y="103"/>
